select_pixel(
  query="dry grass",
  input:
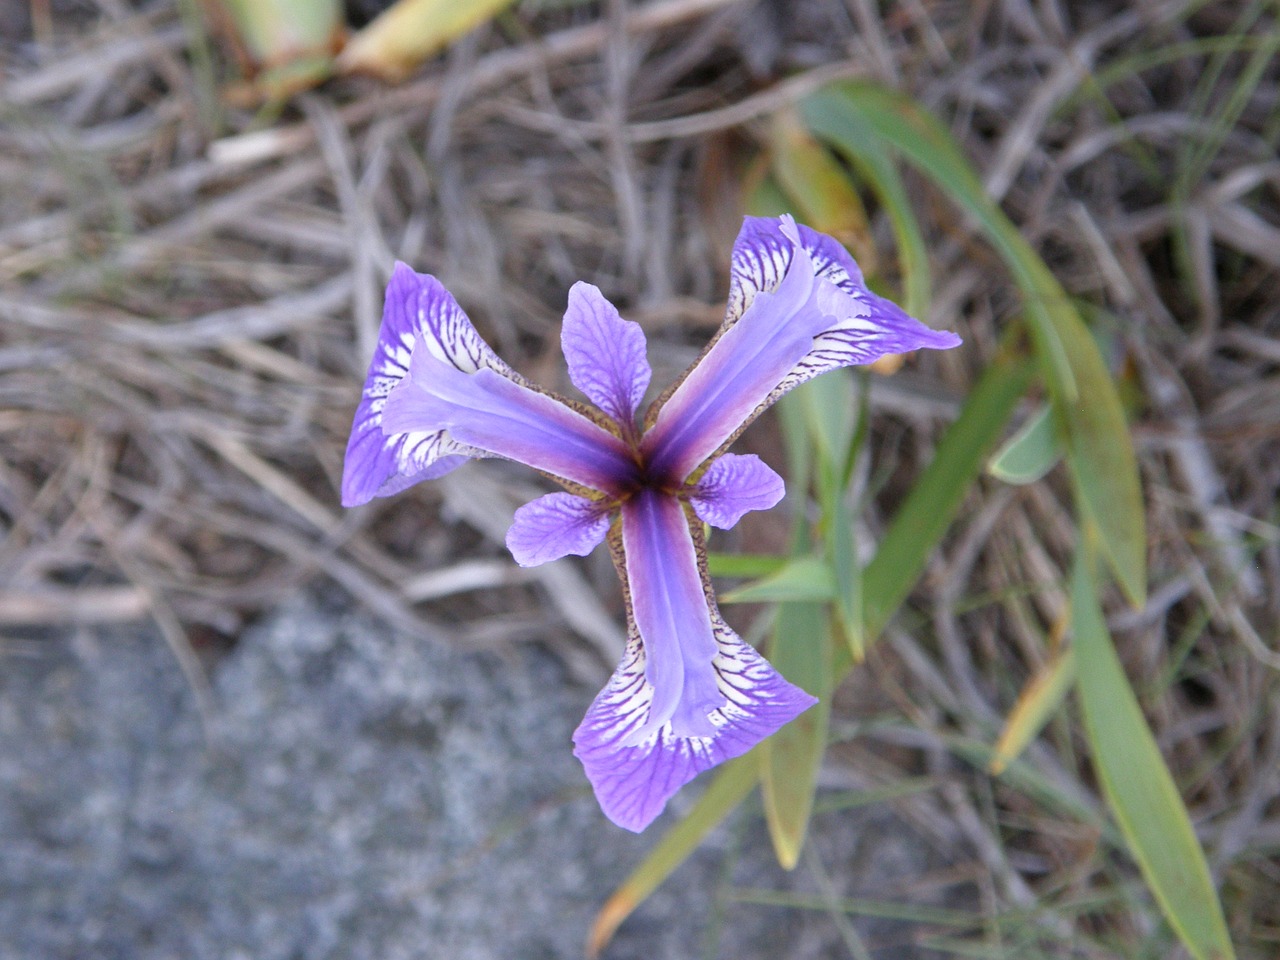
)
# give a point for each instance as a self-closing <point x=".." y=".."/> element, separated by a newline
<point x="188" y="294"/>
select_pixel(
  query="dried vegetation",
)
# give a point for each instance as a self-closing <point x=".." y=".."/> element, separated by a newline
<point x="188" y="293"/>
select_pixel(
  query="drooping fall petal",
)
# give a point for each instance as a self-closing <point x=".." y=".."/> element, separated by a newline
<point x="634" y="780"/>
<point x="733" y="378"/>
<point x="762" y="254"/>
<point x="417" y="306"/>
<point x="490" y="412"/>
<point x="864" y="326"/>
<point x="669" y="606"/>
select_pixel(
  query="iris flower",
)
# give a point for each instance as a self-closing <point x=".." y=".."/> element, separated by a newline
<point x="689" y="693"/>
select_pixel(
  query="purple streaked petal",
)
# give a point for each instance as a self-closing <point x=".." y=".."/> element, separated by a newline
<point x="416" y="306"/>
<point x="733" y="485"/>
<point x="555" y="526"/>
<point x="762" y="253"/>
<point x="737" y="374"/>
<point x="877" y="328"/>
<point x="864" y="326"/>
<point x="605" y="355"/>
<point x="634" y="781"/>
<point x="490" y="412"/>
<point x="378" y="466"/>
<point x="668" y="602"/>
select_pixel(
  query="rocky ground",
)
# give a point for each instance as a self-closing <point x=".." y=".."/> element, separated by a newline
<point x="356" y="793"/>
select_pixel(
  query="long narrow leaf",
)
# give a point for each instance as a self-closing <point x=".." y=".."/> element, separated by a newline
<point x="800" y="579"/>
<point x="873" y="164"/>
<point x="730" y="787"/>
<point x="819" y="186"/>
<point x="1038" y="701"/>
<point x="790" y="759"/>
<point x="1083" y="393"/>
<point x="410" y="31"/>
<point x="1030" y="453"/>
<point x="939" y="491"/>
<point x="744" y="564"/>
<point x="1136" y="782"/>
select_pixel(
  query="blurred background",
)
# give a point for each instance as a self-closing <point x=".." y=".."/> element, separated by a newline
<point x="237" y="721"/>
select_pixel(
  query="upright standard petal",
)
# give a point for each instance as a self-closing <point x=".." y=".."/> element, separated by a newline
<point x="605" y="355"/>
<point x="555" y="526"/>
<point x="736" y="375"/>
<point x="735" y="484"/>
<point x="633" y="781"/>
<point x="417" y="306"/>
<point x="487" y="411"/>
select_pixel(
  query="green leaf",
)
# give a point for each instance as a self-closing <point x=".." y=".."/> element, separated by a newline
<point x="275" y="31"/>
<point x="1083" y="394"/>
<point x="410" y="31"/>
<point x="1136" y="782"/>
<point x="1036" y="704"/>
<point x="800" y="579"/>
<point x="842" y="555"/>
<point x="873" y="163"/>
<point x="940" y="490"/>
<point x="790" y="759"/>
<point x="1030" y="453"/>
<point x="731" y="786"/>
<point x="820" y="188"/>
<point x="767" y="199"/>
<point x="829" y="409"/>
<point x="744" y="564"/>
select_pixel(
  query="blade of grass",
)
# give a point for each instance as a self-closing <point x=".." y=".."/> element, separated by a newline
<point x="820" y="188"/>
<point x="790" y="759"/>
<point x="886" y="909"/>
<point x="1137" y="784"/>
<point x="874" y="165"/>
<point x="1036" y="704"/>
<point x="832" y="420"/>
<point x="1099" y="449"/>
<point x="410" y="31"/>
<point x="851" y="799"/>
<point x="730" y="787"/>
<point x="939" y="492"/>
<point x="802" y="578"/>
<point x="278" y="30"/>
<point x="842" y="559"/>
<point x="744" y="564"/>
<point x="1030" y="453"/>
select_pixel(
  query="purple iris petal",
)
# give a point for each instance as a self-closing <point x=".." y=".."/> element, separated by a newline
<point x="864" y="327"/>
<point x="762" y="253"/>
<point x="490" y="412"/>
<point x="605" y="355"/>
<point x="881" y="328"/>
<point x="378" y="465"/>
<point x="669" y="605"/>
<point x="733" y="485"/>
<point x="633" y="781"/>
<point x="555" y="526"/>
<point x="689" y="694"/>
<point x="740" y="371"/>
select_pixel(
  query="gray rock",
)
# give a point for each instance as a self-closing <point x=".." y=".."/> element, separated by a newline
<point x="358" y="794"/>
